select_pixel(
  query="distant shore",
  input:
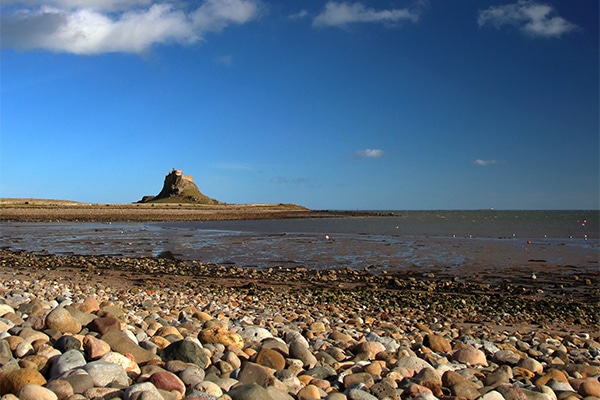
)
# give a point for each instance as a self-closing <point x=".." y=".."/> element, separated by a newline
<point x="39" y="210"/>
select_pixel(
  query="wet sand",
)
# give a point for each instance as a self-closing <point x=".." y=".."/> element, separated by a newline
<point x="497" y="272"/>
<point x="555" y="298"/>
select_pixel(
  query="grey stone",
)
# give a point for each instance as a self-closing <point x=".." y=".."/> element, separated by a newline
<point x="142" y="391"/>
<point x="289" y="380"/>
<point x="196" y="395"/>
<point x="389" y="343"/>
<point x="276" y="344"/>
<point x="254" y="373"/>
<point x="6" y="324"/>
<point x="79" y="379"/>
<point x="533" y="395"/>
<point x="104" y="373"/>
<point x="62" y="388"/>
<point x="277" y="394"/>
<point x="187" y="351"/>
<point x="255" y="334"/>
<point x="414" y="363"/>
<point x="81" y="317"/>
<point x="301" y="352"/>
<point x="558" y="386"/>
<point x="425" y="396"/>
<point x="429" y="375"/>
<point x="322" y="372"/>
<point x="471" y="341"/>
<point x="191" y="376"/>
<point x="336" y="396"/>
<point x="103" y="393"/>
<point x="5" y="351"/>
<point x="532" y="365"/>
<point x="500" y="375"/>
<point x="358" y="394"/>
<point x="363" y="378"/>
<point x="489" y="347"/>
<point x="511" y="393"/>
<point x="324" y="357"/>
<point x="249" y="392"/>
<point x="66" y="343"/>
<point x="67" y="361"/>
<point x="291" y="336"/>
<point x="506" y="357"/>
<point x="385" y="391"/>
<point x="492" y="395"/>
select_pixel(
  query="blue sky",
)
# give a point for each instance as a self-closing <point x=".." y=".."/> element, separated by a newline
<point x="332" y="105"/>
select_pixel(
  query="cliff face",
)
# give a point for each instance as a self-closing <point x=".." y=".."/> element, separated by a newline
<point x="179" y="188"/>
<point x="176" y="184"/>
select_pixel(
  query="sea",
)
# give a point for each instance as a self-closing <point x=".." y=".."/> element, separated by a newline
<point x="400" y="239"/>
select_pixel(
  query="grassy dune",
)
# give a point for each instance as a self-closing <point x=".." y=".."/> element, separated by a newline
<point x="29" y="210"/>
<point x="24" y="202"/>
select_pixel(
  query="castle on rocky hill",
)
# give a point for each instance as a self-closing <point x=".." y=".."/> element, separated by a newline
<point x="179" y="188"/>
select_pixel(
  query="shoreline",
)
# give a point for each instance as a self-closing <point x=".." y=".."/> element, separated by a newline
<point x="548" y="300"/>
<point x="571" y="293"/>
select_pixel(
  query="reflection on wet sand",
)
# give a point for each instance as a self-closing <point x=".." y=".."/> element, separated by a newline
<point x="376" y="244"/>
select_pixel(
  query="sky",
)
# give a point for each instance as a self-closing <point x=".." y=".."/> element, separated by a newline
<point x="374" y="105"/>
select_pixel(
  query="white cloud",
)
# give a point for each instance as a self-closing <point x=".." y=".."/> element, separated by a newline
<point x="341" y="14"/>
<point x="110" y="5"/>
<point x="533" y="19"/>
<point x="485" y="163"/>
<point x="214" y="15"/>
<point x="299" y="15"/>
<point x="89" y="30"/>
<point x="369" y="153"/>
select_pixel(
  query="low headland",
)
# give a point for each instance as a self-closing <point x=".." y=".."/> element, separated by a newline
<point x="38" y="210"/>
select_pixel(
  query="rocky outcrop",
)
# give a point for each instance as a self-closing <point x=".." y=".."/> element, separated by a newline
<point x="179" y="188"/>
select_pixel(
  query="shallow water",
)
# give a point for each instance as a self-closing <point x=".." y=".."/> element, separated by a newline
<point x="427" y="239"/>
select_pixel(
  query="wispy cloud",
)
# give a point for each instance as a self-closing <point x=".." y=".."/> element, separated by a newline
<point x="369" y="153"/>
<point x="289" y="181"/>
<point x="299" y="15"/>
<point x="342" y="14"/>
<point x="225" y="60"/>
<point x="128" y="26"/>
<point x="484" y="163"/>
<point x="106" y="5"/>
<point x="532" y="18"/>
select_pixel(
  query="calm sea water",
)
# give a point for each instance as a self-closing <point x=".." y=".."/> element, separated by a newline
<point x="410" y="238"/>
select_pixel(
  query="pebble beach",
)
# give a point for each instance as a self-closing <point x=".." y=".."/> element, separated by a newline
<point x="74" y="327"/>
